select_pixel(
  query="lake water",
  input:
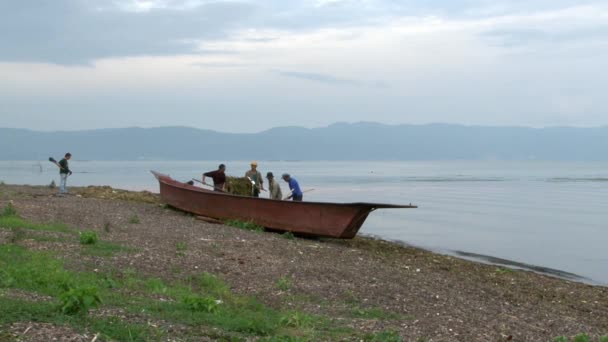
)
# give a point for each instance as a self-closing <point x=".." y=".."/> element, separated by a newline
<point x="550" y="215"/>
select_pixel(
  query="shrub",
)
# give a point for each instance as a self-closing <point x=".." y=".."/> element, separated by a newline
<point x="52" y="185"/>
<point x="88" y="238"/>
<point x="79" y="300"/>
<point x="9" y="210"/>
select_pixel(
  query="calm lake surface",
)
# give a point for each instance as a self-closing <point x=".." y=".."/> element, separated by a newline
<point x="545" y="214"/>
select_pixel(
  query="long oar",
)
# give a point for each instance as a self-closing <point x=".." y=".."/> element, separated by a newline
<point x="209" y="185"/>
<point x="291" y="193"/>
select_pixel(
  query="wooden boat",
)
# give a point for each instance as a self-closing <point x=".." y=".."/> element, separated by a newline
<point x="336" y="220"/>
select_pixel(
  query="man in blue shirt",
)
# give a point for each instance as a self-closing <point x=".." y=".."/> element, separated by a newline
<point x="296" y="192"/>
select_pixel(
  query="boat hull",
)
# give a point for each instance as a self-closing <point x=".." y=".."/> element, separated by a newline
<point x="336" y="220"/>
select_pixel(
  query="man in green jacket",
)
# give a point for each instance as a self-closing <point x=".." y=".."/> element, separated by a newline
<point x="64" y="172"/>
<point x="257" y="182"/>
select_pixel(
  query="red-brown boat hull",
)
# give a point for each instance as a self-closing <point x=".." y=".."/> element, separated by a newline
<point x="337" y="220"/>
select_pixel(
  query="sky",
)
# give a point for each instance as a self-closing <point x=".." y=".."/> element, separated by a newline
<point x="247" y="66"/>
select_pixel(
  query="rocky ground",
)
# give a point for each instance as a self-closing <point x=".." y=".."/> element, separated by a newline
<point x="438" y="298"/>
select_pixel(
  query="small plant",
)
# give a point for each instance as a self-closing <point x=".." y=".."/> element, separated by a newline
<point x="200" y="303"/>
<point x="504" y="270"/>
<point x="582" y="338"/>
<point x="17" y="234"/>
<point x="52" y="185"/>
<point x="604" y="338"/>
<point x="106" y="227"/>
<point x="9" y="210"/>
<point x="248" y="225"/>
<point x="2" y="183"/>
<point x="387" y="336"/>
<point x="79" y="300"/>
<point x="296" y="320"/>
<point x="134" y="219"/>
<point x="288" y="235"/>
<point x="284" y="283"/>
<point x="181" y="246"/>
<point x="88" y="238"/>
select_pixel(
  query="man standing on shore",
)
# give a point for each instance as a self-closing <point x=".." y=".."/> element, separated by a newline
<point x="219" y="178"/>
<point x="64" y="172"/>
<point x="257" y="182"/>
<point x="296" y="192"/>
<point x="274" y="187"/>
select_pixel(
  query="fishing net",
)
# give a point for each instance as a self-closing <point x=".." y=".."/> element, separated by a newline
<point x="238" y="186"/>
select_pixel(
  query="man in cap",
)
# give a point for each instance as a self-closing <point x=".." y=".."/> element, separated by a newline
<point x="274" y="187"/>
<point x="296" y="192"/>
<point x="257" y="182"/>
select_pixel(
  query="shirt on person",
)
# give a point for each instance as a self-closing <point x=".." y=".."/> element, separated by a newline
<point x="294" y="187"/>
<point x="219" y="178"/>
<point x="255" y="176"/>
<point x="275" y="190"/>
<point x="64" y="166"/>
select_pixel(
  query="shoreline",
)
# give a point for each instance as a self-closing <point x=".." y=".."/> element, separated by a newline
<point x="449" y="298"/>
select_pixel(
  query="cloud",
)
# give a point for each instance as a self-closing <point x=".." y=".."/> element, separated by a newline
<point x="76" y="32"/>
<point x="309" y="76"/>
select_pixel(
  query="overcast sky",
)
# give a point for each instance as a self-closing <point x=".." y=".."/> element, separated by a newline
<point x="246" y="66"/>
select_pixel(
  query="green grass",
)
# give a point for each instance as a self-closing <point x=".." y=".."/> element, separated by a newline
<point x="579" y="338"/>
<point x="13" y="222"/>
<point x="247" y="225"/>
<point x="200" y="302"/>
<point x="284" y="283"/>
<point x="105" y="249"/>
<point x="384" y="336"/>
<point x="9" y="210"/>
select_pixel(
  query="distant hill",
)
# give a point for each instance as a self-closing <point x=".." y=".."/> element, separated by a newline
<point x="341" y="141"/>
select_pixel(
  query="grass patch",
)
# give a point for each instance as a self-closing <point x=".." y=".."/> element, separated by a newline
<point x="247" y="225"/>
<point x="9" y="210"/>
<point x="288" y="235"/>
<point x="13" y="221"/>
<point x="105" y="249"/>
<point x="284" y="283"/>
<point x="134" y="219"/>
<point x="504" y="270"/>
<point x="88" y="238"/>
<point x="201" y="301"/>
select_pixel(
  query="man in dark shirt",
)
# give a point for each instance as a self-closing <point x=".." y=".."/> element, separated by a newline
<point x="218" y="176"/>
<point x="64" y="171"/>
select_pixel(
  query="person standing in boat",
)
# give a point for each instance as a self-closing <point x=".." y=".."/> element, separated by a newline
<point x="219" y="178"/>
<point x="296" y="192"/>
<point x="256" y="178"/>
<point x="274" y="187"/>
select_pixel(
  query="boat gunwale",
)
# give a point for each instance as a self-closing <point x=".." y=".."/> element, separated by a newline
<point x="372" y="206"/>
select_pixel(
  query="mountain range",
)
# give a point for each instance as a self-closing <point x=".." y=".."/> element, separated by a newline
<point x="340" y="141"/>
